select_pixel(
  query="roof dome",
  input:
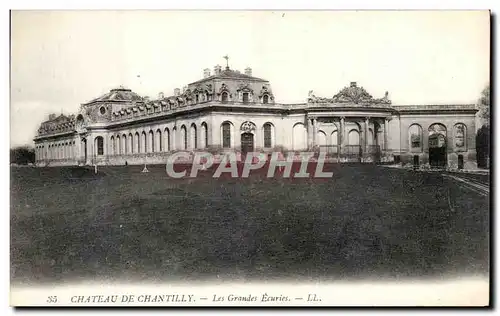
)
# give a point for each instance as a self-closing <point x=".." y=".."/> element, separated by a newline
<point x="120" y="94"/>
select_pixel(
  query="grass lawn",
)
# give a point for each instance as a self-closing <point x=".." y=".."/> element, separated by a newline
<point x="68" y="224"/>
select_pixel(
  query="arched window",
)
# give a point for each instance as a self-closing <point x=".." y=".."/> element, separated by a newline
<point x="137" y="143"/>
<point x="113" y="145"/>
<point x="265" y="99"/>
<point x="151" y="145"/>
<point x="197" y="99"/>
<point x="353" y="137"/>
<point x="167" y="139"/>
<point x="100" y="145"/>
<point x="415" y="137"/>
<point x="204" y="133"/>
<point x="268" y="135"/>
<point x="118" y="143"/>
<point x="245" y="97"/>
<point x="184" y="137"/>
<point x="226" y="135"/>
<point x="174" y="138"/>
<point x="124" y="144"/>
<point x="194" y="136"/>
<point x="130" y="144"/>
<point x="158" y="140"/>
<point x="460" y="133"/>
<point x="224" y="97"/>
<point x="144" y="141"/>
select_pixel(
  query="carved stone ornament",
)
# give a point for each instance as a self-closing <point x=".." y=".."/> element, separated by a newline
<point x="244" y="87"/>
<point x="351" y="94"/>
<point x="224" y="88"/>
<point x="265" y="90"/>
<point x="357" y="95"/>
<point x="247" y="127"/>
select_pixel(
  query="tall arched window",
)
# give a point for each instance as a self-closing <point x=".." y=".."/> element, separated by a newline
<point x="204" y="133"/>
<point x="174" y="138"/>
<point x="265" y="99"/>
<point x="118" y="143"/>
<point x="226" y="135"/>
<point x="124" y="144"/>
<point x="415" y="138"/>
<point x="460" y="135"/>
<point x="144" y="141"/>
<point x="100" y="145"/>
<point x="137" y="143"/>
<point x="113" y="147"/>
<point x="158" y="140"/>
<point x="184" y="137"/>
<point x="130" y="144"/>
<point x="224" y="97"/>
<point x="151" y="145"/>
<point x="194" y="136"/>
<point x="268" y="135"/>
<point x="167" y="139"/>
<point x="353" y="137"/>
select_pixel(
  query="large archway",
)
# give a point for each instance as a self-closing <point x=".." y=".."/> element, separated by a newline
<point x="437" y="146"/>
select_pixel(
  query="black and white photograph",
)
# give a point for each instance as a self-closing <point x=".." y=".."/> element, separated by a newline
<point x="252" y="158"/>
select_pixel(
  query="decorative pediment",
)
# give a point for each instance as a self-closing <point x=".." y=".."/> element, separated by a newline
<point x="188" y="95"/>
<point x="209" y="88"/>
<point x="245" y="87"/>
<point x="247" y="127"/>
<point x="352" y="94"/>
<point x="357" y="95"/>
<point x="224" y="88"/>
<point x="264" y="90"/>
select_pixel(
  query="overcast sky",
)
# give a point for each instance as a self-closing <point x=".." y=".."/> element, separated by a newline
<point x="62" y="59"/>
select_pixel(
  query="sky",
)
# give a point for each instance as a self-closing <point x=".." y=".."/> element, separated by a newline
<point x="60" y="59"/>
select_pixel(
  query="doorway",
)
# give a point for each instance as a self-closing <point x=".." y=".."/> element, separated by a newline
<point x="247" y="143"/>
<point x="437" y="151"/>
<point x="460" y="162"/>
<point x="416" y="161"/>
<point x="84" y="145"/>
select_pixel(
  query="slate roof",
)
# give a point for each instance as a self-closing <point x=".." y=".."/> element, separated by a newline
<point x="230" y="74"/>
<point x="120" y="94"/>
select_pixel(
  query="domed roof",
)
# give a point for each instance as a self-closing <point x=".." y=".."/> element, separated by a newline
<point x="120" y="94"/>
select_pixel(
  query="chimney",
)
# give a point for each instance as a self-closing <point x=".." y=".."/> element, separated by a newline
<point x="353" y="84"/>
<point x="177" y="91"/>
<point x="184" y="89"/>
<point x="248" y="71"/>
<point x="52" y="117"/>
<point x="146" y="99"/>
<point x="206" y="73"/>
<point x="217" y="70"/>
<point x="161" y="95"/>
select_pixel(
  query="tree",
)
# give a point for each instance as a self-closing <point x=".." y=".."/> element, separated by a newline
<point x="22" y="155"/>
<point x="484" y="105"/>
<point x="483" y="146"/>
<point x="483" y="134"/>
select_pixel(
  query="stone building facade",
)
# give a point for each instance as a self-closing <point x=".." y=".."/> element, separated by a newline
<point x="232" y="111"/>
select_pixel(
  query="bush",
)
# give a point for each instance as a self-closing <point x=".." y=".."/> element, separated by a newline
<point x="22" y="155"/>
